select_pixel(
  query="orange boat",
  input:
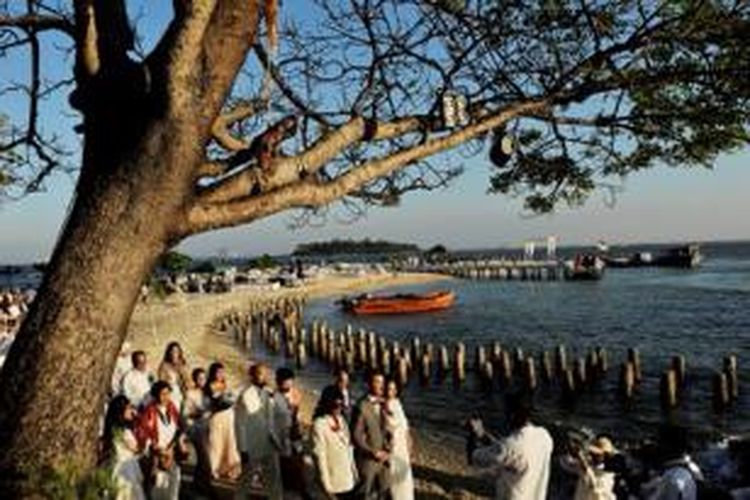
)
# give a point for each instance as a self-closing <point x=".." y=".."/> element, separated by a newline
<point x="399" y="304"/>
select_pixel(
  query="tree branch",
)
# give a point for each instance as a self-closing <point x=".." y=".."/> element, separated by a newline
<point x="287" y="170"/>
<point x="286" y="90"/>
<point x="239" y="112"/>
<point x="38" y="22"/>
<point x="205" y="216"/>
<point x="228" y="37"/>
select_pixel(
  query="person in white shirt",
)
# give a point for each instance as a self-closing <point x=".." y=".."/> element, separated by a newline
<point x="521" y="461"/>
<point x="160" y="431"/>
<point x="332" y="446"/>
<point x="341" y="382"/>
<point x="256" y="436"/>
<point x="196" y="407"/>
<point x="122" y="365"/>
<point x="120" y="449"/>
<point x="136" y="383"/>
<point x="680" y="475"/>
<point x="594" y="481"/>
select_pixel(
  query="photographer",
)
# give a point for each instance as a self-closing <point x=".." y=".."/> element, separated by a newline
<point x="521" y="461"/>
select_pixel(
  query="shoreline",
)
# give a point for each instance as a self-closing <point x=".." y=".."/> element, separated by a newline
<point x="187" y="318"/>
<point x="438" y="465"/>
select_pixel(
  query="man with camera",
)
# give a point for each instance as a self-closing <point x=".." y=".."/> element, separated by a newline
<point x="521" y="461"/>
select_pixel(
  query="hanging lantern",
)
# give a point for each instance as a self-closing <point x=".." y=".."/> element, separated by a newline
<point x="502" y="148"/>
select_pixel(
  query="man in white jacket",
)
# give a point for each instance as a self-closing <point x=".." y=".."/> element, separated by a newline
<point x="521" y="461"/>
<point x="137" y="382"/>
<point x="256" y="435"/>
<point x="122" y="366"/>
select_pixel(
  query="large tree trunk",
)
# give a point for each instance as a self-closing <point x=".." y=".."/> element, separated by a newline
<point x="146" y="128"/>
<point x="56" y="377"/>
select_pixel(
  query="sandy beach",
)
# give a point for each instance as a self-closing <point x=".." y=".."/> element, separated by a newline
<point x="439" y="467"/>
<point x="187" y="318"/>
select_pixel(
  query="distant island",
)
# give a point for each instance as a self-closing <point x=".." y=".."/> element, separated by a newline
<point x="366" y="246"/>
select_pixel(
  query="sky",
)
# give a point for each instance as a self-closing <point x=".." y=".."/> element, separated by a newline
<point x="659" y="205"/>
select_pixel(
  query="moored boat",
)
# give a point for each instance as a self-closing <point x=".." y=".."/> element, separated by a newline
<point x="639" y="259"/>
<point x="687" y="256"/>
<point x="399" y="304"/>
<point x="584" y="267"/>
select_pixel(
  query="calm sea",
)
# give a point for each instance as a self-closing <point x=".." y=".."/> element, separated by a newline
<point x="703" y="314"/>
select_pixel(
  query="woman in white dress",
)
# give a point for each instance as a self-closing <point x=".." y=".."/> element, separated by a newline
<point x="402" y="482"/>
<point x="220" y="440"/>
<point x="121" y="450"/>
<point x="173" y="370"/>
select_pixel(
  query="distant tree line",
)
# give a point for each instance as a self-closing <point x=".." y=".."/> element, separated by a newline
<point x="366" y="246"/>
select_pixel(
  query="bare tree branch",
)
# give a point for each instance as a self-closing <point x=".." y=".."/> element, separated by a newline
<point x="220" y="129"/>
<point x="202" y="217"/>
<point x="38" y="22"/>
<point x="287" y="170"/>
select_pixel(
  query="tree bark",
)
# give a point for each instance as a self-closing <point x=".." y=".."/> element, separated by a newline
<point x="146" y="128"/>
<point x="57" y="374"/>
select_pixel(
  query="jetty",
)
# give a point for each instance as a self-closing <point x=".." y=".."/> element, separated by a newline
<point x="496" y="269"/>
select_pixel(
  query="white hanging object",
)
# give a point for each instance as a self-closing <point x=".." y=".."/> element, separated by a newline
<point x="507" y="145"/>
<point x="455" y="109"/>
<point x="449" y="110"/>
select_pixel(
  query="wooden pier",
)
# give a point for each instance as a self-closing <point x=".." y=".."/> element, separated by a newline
<point x="525" y="270"/>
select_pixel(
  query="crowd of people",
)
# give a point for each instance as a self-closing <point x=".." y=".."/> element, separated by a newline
<point x="522" y="461"/>
<point x="14" y="304"/>
<point x="253" y="437"/>
<point x="360" y="448"/>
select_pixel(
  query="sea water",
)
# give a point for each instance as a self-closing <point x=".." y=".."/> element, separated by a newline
<point x="703" y="314"/>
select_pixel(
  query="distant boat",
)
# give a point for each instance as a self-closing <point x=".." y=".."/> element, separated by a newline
<point x="399" y="304"/>
<point x="639" y="259"/>
<point x="585" y="267"/>
<point x="686" y="256"/>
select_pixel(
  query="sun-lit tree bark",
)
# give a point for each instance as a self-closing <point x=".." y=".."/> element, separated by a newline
<point x="352" y="107"/>
<point x="146" y="125"/>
